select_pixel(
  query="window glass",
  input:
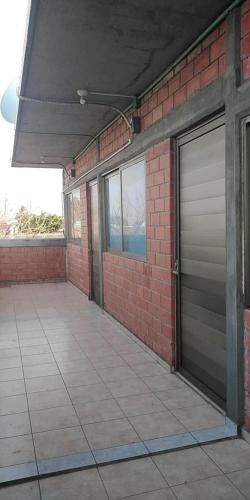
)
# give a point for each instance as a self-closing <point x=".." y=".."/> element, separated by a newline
<point x="133" y="205"/>
<point x="113" y="209"/>
<point x="125" y="209"/>
<point x="74" y="209"/>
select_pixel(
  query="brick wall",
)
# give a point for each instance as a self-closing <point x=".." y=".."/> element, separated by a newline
<point x="204" y="65"/>
<point x="245" y="39"/>
<point x="247" y="368"/>
<point x="25" y="264"/>
<point x="77" y="254"/>
<point x="141" y="295"/>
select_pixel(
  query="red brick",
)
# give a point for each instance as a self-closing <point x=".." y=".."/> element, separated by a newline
<point x="157" y="113"/>
<point x="210" y="74"/>
<point x="174" y="84"/>
<point x="217" y="48"/>
<point x="246" y="68"/>
<point x="210" y="38"/>
<point x="180" y="96"/>
<point x="195" y="52"/>
<point x="245" y="46"/>
<point x="245" y="24"/>
<point x="163" y="94"/>
<point x="193" y="85"/>
<point x="187" y="73"/>
<point x="168" y="105"/>
<point x="180" y="66"/>
<point x="201" y="61"/>
<point x="245" y="6"/>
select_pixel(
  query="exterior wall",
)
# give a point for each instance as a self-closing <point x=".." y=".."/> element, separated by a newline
<point x="33" y="263"/>
<point x="247" y="369"/>
<point x="77" y="254"/>
<point x="200" y="68"/>
<point x="245" y="39"/>
<point x="141" y="295"/>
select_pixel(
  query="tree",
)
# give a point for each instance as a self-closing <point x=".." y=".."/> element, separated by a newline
<point x="30" y="223"/>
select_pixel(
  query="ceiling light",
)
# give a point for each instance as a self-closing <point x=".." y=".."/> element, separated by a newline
<point x="82" y="92"/>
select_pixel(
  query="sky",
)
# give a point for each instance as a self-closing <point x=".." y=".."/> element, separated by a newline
<point x="37" y="189"/>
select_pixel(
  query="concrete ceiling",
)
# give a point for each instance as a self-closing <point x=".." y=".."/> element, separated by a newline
<point x="116" y="46"/>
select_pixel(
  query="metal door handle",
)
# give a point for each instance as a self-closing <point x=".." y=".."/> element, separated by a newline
<point x="176" y="268"/>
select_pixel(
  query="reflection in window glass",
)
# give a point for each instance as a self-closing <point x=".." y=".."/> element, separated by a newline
<point x="125" y="209"/>
<point x="74" y="208"/>
<point x="113" y="207"/>
<point x="133" y="205"/>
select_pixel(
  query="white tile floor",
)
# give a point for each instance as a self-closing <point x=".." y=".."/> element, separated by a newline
<point x="71" y="380"/>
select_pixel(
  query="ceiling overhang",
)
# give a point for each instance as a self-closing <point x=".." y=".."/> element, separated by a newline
<point x="113" y="46"/>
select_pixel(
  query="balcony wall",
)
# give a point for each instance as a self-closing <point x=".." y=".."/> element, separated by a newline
<point x="24" y="261"/>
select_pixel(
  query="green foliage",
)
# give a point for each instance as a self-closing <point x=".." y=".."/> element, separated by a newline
<point x="29" y="223"/>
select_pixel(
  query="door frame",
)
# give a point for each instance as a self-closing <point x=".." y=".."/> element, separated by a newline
<point x="95" y="182"/>
<point x="188" y="136"/>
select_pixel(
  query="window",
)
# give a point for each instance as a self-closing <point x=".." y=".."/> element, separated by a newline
<point x="74" y="215"/>
<point x="246" y="187"/>
<point x="125" y="209"/>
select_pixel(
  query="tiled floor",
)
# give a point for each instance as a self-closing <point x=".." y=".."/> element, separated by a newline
<point x="72" y="382"/>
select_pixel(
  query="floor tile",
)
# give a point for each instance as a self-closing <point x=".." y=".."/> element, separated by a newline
<point x="44" y="383"/>
<point x="98" y="411"/>
<point x="25" y="491"/>
<point x="116" y="373"/>
<point x="165" y="494"/>
<point x="149" y="369"/>
<point x="138" y="358"/>
<point x="53" y="418"/>
<point x="11" y="374"/>
<point x="9" y="353"/>
<point x="199" y="417"/>
<point x="14" y="425"/>
<point x="111" y="433"/>
<point x="13" y="404"/>
<point x="131" y="478"/>
<point x="180" y="398"/>
<point x="69" y="355"/>
<point x="127" y="387"/>
<point x="83" y="485"/>
<point x="75" y="366"/>
<point x="241" y="479"/>
<point x="57" y="443"/>
<point x="128" y="348"/>
<point x="33" y="342"/>
<point x="14" y="362"/>
<point x="230" y="455"/>
<point x="41" y="370"/>
<point x="108" y="362"/>
<point x="185" y="465"/>
<point x="36" y="349"/>
<point x="48" y="399"/>
<point x="81" y="378"/>
<point x="163" y="382"/>
<point x="12" y="388"/>
<point x="140" y="404"/>
<point x="29" y="325"/>
<point x="216" y="488"/>
<point x="16" y="450"/>
<point x="37" y="359"/>
<point x="87" y="393"/>
<point x="154" y="425"/>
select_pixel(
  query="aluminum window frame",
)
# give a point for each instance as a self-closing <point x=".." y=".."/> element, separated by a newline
<point x="118" y="171"/>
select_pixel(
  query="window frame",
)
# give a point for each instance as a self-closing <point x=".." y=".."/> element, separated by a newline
<point x="70" y="217"/>
<point x="118" y="171"/>
<point x="246" y="211"/>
